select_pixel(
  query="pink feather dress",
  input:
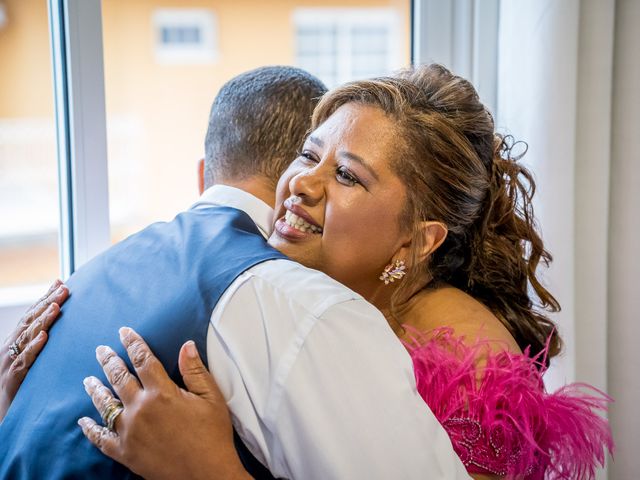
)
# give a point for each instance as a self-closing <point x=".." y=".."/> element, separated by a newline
<point x="499" y="417"/>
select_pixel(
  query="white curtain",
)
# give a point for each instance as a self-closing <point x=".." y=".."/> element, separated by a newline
<point x="624" y="240"/>
<point x="569" y="84"/>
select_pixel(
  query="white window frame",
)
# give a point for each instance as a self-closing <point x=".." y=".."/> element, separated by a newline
<point x="463" y="36"/>
<point x="78" y="76"/>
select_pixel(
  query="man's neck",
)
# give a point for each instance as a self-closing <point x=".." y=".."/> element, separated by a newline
<point x="259" y="187"/>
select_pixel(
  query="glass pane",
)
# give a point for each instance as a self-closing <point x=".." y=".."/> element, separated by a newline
<point x="29" y="220"/>
<point x="164" y="63"/>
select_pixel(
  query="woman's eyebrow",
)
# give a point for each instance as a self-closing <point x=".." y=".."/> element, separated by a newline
<point x="361" y="161"/>
<point x="349" y="155"/>
<point x="316" y="140"/>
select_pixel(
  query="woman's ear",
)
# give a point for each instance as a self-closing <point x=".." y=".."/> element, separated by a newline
<point x="431" y="235"/>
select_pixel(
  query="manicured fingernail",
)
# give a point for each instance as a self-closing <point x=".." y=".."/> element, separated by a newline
<point x="59" y="291"/>
<point x="101" y="351"/>
<point x="83" y="422"/>
<point x="124" y="332"/>
<point x="40" y="335"/>
<point x="86" y="382"/>
<point x="192" y="351"/>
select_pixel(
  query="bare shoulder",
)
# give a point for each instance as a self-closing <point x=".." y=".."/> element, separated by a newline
<point x="467" y="317"/>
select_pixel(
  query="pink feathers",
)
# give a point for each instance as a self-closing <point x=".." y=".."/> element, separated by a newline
<point x="500" y="419"/>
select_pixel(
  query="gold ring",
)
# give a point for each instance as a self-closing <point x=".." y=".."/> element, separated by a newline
<point x="111" y="412"/>
<point x="14" y="350"/>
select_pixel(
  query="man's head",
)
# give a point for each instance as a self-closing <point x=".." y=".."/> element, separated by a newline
<point x="258" y="121"/>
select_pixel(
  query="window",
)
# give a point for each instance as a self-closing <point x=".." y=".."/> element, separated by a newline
<point x="29" y="209"/>
<point x="339" y="45"/>
<point x="157" y="102"/>
<point x="185" y="36"/>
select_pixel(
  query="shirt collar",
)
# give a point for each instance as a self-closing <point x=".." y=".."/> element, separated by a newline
<point x="226" y="196"/>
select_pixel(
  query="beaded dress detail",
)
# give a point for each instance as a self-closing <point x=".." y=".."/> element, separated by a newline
<point x="499" y="417"/>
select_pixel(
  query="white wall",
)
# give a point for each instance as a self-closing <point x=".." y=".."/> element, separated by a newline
<point x="537" y="71"/>
<point x="593" y="147"/>
<point x="624" y="238"/>
<point x="568" y="84"/>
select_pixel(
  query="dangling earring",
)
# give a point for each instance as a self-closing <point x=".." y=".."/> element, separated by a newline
<point x="393" y="271"/>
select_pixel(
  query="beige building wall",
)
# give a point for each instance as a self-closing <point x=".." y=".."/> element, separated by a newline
<point x="26" y="89"/>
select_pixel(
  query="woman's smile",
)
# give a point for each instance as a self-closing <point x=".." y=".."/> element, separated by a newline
<point x="296" y="223"/>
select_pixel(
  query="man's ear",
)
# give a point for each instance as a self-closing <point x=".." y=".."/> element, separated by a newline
<point x="201" y="175"/>
<point x="432" y="235"/>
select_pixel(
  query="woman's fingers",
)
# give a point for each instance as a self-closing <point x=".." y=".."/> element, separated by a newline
<point x="101" y="396"/>
<point x="106" y="440"/>
<point x="149" y="369"/>
<point x="195" y="375"/>
<point x="25" y="343"/>
<point x="57" y="293"/>
<point x="42" y="303"/>
<point x="40" y="323"/>
<point x="40" y="316"/>
<point x="123" y="382"/>
<point x="21" y="365"/>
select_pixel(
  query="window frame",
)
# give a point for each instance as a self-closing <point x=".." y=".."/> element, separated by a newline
<point x="78" y="77"/>
<point x="463" y="36"/>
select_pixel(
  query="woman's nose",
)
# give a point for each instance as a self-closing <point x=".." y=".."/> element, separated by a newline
<point x="308" y="185"/>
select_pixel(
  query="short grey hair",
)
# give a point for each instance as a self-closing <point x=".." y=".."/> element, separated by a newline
<point x="258" y="121"/>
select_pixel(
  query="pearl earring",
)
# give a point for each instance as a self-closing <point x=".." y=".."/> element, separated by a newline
<point x="394" y="271"/>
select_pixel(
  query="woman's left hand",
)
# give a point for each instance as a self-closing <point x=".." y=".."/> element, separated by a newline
<point x="160" y="430"/>
<point x="25" y="343"/>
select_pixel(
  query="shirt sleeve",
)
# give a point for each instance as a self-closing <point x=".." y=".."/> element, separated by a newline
<point x="323" y="390"/>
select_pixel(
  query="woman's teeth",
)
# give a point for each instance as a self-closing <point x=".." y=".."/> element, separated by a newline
<point x="298" y="223"/>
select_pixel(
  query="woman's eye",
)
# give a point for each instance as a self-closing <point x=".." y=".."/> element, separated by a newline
<point x="307" y="156"/>
<point x="345" y="177"/>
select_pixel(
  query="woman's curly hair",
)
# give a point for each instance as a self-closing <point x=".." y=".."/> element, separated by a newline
<point x="460" y="172"/>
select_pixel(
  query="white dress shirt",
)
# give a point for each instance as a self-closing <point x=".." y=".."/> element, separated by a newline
<point x="318" y="385"/>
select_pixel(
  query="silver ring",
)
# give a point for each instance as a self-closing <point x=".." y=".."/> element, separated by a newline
<point x="14" y="350"/>
<point x="111" y="413"/>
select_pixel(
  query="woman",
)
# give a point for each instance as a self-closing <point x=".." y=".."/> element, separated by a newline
<point x="404" y="193"/>
<point x="405" y="177"/>
<point x="438" y="205"/>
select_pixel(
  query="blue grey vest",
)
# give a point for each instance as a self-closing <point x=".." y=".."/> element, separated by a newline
<point x="164" y="282"/>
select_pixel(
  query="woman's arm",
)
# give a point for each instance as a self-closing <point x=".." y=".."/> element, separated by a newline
<point x="138" y="439"/>
<point x="25" y="343"/>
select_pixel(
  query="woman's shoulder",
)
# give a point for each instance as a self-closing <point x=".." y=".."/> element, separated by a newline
<point x="468" y="319"/>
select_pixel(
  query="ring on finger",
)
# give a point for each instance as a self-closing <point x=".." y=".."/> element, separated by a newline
<point x="14" y="350"/>
<point x="111" y="412"/>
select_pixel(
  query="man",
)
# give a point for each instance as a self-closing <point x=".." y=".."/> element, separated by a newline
<point x="278" y="337"/>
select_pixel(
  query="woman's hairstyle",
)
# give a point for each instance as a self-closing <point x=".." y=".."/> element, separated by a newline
<point x="460" y="172"/>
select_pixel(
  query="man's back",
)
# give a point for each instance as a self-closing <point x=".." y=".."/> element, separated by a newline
<point x="164" y="282"/>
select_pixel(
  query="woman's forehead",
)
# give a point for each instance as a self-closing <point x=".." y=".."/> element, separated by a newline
<point x="366" y="126"/>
